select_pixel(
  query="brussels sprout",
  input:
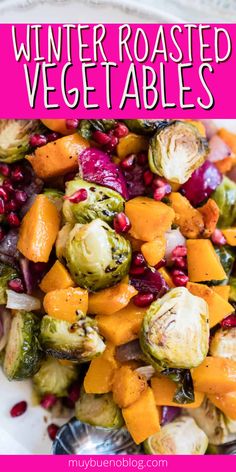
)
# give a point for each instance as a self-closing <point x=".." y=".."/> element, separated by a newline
<point x="14" y="138"/>
<point x="225" y="197"/>
<point x="79" y="341"/>
<point x="176" y="150"/>
<point x="55" y="196"/>
<point x="223" y="343"/>
<point x="144" y="126"/>
<point x="184" y="385"/>
<point x="101" y="202"/>
<point x="227" y="257"/>
<point x="218" y="428"/>
<point x="62" y="239"/>
<point x="175" y="330"/>
<point x="97" y="256"/>
<point x="98" y="410"/>
<point x="55" y="378"/>
<point x="7" y="273"/>
<point x="232" y="292"/>
<point x="87" y="127"/>
<point x="23" y="353"/>
<point x="181" y="436"/>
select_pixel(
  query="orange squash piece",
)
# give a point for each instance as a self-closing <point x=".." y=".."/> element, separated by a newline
<point x="127" y="386"/>
<point x="142" y="417"/>
<point x="131" y="144"/>
<point x="100" y="374"/>
<point x="58" y="157"/>
<point x="230" y="236"/>
<point x="199" y="125"/>
<point x="222" y="290"/>
<point x="229" y="138"/>
<point x="56" y="278"/>
<point x="216" y="375"/>
<point x="149" y="218"/>
<point x="219" y="308"/>
<point x="166" y="276"/>
<point x="210" y="213"/>
<point x="122" y="326"/>
<point x="58" y="125"/>
<point x="164" y="390"/>
<point x="154" y="251"/>
<point x="38" y="230"/>
<point x="226" y="403"/>
<point x="65" y="303"/>
<point x="226" y="164"/>
<point x="203" y="262"/>
<point x="111" y="300"/>
<point x="189" y="219"/>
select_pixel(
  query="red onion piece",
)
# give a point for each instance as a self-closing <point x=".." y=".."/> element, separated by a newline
<point x="218" y="149"/>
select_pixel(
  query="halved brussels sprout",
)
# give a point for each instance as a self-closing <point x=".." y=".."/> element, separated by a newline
<point x="79" y="341"/>
<point x="98" y="410"/>
<point x="7" y="273"/>
<point x="227" y="257"/>
<point x="55" y="196"/>
<point x="101" y="202"/>
<point x="23" y="352"/>
<point x="181" y="436"/>
<point x="218" y="428"/>
<point x="223" y="343"/>
<point x="62" y="239"/>
<point x="14" y="138"/>
<point x="97" y="256"/>
<point x="175" y="330"/>
<point x="225" y="197"/>
<point x="54" y="377"/>
<point x="144" y="126"/>
<point x="176" y="150"/>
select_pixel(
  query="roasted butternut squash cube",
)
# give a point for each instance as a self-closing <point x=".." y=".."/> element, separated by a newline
<point x="131" y="144"/>
<point x="203" y="262"/>
<point x="216" y="375"/>
<point x="154" y="251"/>
<point x="164" y="390"/>
<point x="38" y="230"/>
<point x="142" y="417"/>
<point x="56" y="278"/>
<point x="127" y="386"/>
<point x="111" y="300"/>
<point x="65" y="303"/>
<point x="226" y="403"/>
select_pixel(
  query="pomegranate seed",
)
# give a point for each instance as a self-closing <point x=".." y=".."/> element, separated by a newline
<point x="218" y="238"/>
<point x="129" y="162"/>
<point x="4" y="169"/>
<point x="138" y="259"/>
<point x="179" y="251"/>
<point x="121" y="223"/>
<point x="179" y="278"/>
<point x="148" y="177"/>
<point x="160" y="264"/>
<point x="179" y="262"/>
<point x="52" y="430"/>
<point x="101" y="138"/>
<point x="18" y="409"/>
<point x="72" y="124"/>
<point x="37" y="140"/>
<point x="11" y="206"/>
<point x="159" y="182"/>
<point x="159" y="193"/>
<point x="21" y="196"/>
<point x="39" y="267"/>
<point x="229" y="322"/>
<point x="4" y="194"/>
<point x="74" y="392"/>
<point x="112" y="143"/>
<point x="16" y="285"/>
<point x="53" y="136"/>
<point x="2" y="234"/>
<point x="2" y="207"/>
<point x="12" y="219"/>
<point x="143" y="299"/>
<point x="121" y="130"/>
<point x="137" y="270"/>
<point x="7" y="185"/>
<point x="17" y="175"/>
<point x="142" y="158"/>
<point x="48" y="401"/>
<point x="80" y="196"/>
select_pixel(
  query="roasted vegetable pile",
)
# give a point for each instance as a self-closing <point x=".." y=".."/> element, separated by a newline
<point x="118" y="275"/>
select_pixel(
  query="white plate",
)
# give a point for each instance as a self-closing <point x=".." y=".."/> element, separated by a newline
<point x="110" y="11"/>
<point x="27" y="434"/>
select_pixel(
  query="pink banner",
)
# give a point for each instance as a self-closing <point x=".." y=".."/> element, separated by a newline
<point x="115" y="463"/>
<point x="131" y="71"/>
